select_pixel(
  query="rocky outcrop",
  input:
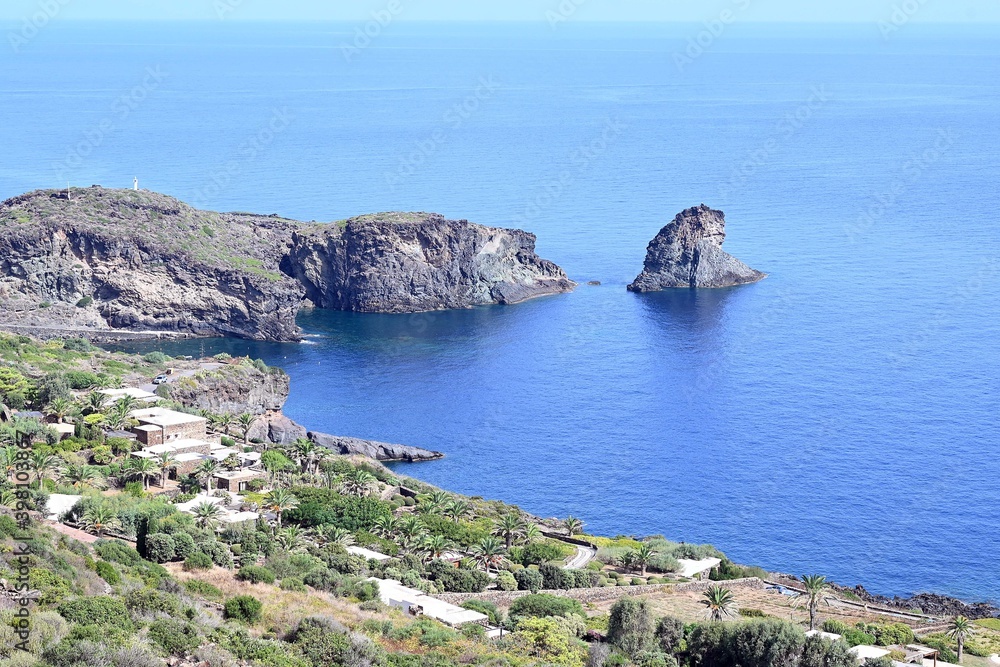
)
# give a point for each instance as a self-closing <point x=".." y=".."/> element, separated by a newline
<point x="375" y="450"/>
<point x="688" y="253"/>
<point x="94" y="260"/>
<point x="402" y="263"/>
<point x="233" y="389"/>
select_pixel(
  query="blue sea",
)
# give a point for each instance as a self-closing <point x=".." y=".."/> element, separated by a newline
<point x="840" y="417"/>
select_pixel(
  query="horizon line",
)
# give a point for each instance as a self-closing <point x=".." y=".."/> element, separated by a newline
<point x="533" y="21"/>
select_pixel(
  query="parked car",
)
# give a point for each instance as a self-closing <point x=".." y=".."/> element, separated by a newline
<point x="160" y="379"/>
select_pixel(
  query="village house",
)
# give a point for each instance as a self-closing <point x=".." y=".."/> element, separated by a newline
<point x="158" y="426"/>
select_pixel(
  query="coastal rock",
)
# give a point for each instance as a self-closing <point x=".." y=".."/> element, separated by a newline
<point x="404" y="263"/>
<point x="375" y="450"/>
<point x="688" y="253"/>
<point x="99" y="263"/>
<point x="931" y="604"/>
<point x="283" y="431"/>
<point x="233" y="389"/>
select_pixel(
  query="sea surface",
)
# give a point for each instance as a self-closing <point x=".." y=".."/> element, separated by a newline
<point x="840" y="417"/>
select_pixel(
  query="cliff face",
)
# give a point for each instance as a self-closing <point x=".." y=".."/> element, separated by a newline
<point x="233" y="389"/>
<point x="688" y="253"/>
<point x="95" y="260"/>
<point x="399" y="263"/>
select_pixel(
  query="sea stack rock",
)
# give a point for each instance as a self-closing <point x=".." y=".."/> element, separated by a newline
<point x="688" y="253"/>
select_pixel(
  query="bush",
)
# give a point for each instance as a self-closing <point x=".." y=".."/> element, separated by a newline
<point x="256" y="574"/>
<point x="198" y="561"/>
<point x="855" y="637"/>
<point x="183" y="545"/>
<point x="174" y="637"/>
<point x="155" y="358"/>
<point x="669" y="635"/>
<point x="293" y="584"/>
<point x="228" y="442"/>
<point x="484" y="607"/>
<point x="84" y="302"/>
<point x="630" y="626"/>
<point x="116" y="551"/>
<point x="203" y="588"/>
<point x="457" y="580"/>
<point x="245" y="608"/>
<point x="835" y="626"/>
<point x="160" y="548"/>
<point x="8" y="527"/>
<point x="81" y="380"/>
<point x="108" y="573"/>
<point x="543" y="604"/>
<point x="506" y="581"/>
<point x="555" y="578"/>
<point x="749" y="612"/>
<point x="100" y="610"/>
<point x="528" y="580"/>
<point x="540" y="552"/>
<point x="151" y="601"/>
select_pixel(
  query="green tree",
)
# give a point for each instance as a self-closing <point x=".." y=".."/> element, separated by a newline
<point x="279" y="501"/>
<point x="246" y="422"/>
<point x="358" y="482"/>
<point x="99" y="518"/>
<point x="206" y="471"/>
<point x="207" y="515"/>
<point x="508" y="527"/>
<point x="630" y="626"/>
<point x="141" y="469"/>
<point x="489" y="553"/>
<point x="573" y="526"/>
<point x="165" y="462"/>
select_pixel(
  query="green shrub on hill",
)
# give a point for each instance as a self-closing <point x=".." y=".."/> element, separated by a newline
<point x="245" y="608"/>
<point x="543" y="604"/>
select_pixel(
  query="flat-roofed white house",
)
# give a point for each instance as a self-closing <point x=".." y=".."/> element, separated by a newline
<point x="416" y="603"/>
<point x="159" y="425"/>
<point x="140" y="395"/>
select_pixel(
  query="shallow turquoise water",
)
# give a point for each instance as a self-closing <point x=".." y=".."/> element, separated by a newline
<point x="839" y="417"/>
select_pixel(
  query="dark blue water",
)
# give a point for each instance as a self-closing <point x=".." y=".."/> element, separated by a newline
<point x="840" y="417"/>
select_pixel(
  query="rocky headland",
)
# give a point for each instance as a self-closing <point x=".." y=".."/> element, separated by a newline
<point x="101" y="263"/>
<point x="688" y="253"/>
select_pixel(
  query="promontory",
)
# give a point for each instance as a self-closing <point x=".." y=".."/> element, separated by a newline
<point x="688" y="253"/>
<point x="102" y="263"/>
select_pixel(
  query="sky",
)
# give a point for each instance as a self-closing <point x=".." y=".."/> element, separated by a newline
<point x="808" y="11"/>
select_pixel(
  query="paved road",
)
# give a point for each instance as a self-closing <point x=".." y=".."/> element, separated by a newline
<point x="583" y="556"/>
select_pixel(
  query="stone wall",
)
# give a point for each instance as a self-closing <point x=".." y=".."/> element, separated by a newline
<point x="601" y="594"/>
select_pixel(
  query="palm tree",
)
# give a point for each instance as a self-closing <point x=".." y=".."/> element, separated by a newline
<point x="456" y="510"/>
<point x="335" y="535"/>
<point x="8" y="460"/>
<point x="224" y="422"/>
<point x="410" y="527"/>
<point x="960" y="629"/>
<point x="44" y="464"/>
<point x="815" y="585"/>
<point x="99" y="518"/>
<point x="246" y="422"/>
<point x="386" y="526"/>
<point x="642" y="556"/>
<point x="83" y="475"/>
<point x="305" y="451"/>
<point x="206" y="515"/>
<point x="206" y="471"/>
<point x="573" y="526"/>
<point x="142" y="469"/>
<point x="489" y="553"/>
<point x="509" y="527"/>
<point x="530" y="533"/>
<point x="720" y="603"/>
<point x="435" y="546"/>
<point x="358" y="482"/>
<point x="95" y="402"/>
<point x="280" y="500"/>
<point x="165" y="462"/>
<point x="290" y="539"/>
<point x="435" y="502"/>
<point x="59" y="407"/>
<point x="126" y="404"/>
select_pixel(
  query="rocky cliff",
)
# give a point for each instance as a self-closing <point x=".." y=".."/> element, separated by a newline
<point x="93" y="260"/>
<point x="234" y="389"/>
<point x="398" y="263"/>
<point x="688" y="253"/>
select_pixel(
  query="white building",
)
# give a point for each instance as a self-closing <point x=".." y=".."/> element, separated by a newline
<point x="416" y="603"/>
